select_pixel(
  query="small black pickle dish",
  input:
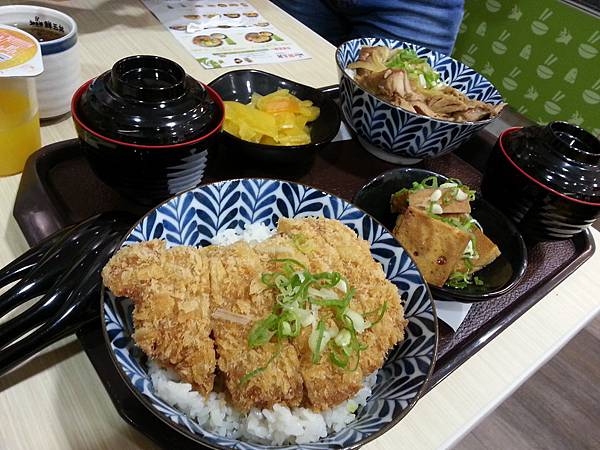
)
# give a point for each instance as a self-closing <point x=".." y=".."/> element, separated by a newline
<point x="546" y="179"/>
<point x="239" y="85"/>
<point x="146" y="127"/>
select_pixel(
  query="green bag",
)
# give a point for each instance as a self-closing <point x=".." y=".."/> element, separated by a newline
<point x="542" y="56"/>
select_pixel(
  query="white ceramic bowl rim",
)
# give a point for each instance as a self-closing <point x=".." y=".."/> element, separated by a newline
<point x="49" y="12"/>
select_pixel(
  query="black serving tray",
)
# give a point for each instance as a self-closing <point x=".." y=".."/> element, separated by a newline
<point x="59" y="188"/>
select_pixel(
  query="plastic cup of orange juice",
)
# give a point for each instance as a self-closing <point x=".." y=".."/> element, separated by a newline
<point x="20" y="62"/>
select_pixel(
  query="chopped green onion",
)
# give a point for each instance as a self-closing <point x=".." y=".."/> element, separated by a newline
<point x="262" y="331"/>
<point x="415" y="66"/>
<point x="339" y="360"/>
<point x="299" y="296"/>
<point x="286" y="328"/>
<point x="301" y="243"/>
<point x="351" y="406"/>
<point x="358" y="322"/>
<point x="381" y="312"/>
<point x="460" y="280"/>
<point x="343" y="338"/>
<point x="315" y="342"/>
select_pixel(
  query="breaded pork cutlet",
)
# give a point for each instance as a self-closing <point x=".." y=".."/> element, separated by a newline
<point x="170" y="290"/>
<point x="188" y="299"/>
<point x="333" y="247"/>
<point x="373" y="290"/>
<point x="236" y="290"/>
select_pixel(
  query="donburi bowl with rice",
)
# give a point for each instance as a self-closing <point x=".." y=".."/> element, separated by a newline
<point x="249" y="209"/>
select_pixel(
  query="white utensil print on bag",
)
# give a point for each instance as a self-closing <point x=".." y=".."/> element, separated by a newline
<point x="515" y="13"/>
<point x="592" y="96"/>
<point x="552" y="106"/>
<point x="509" y="81"/>
<point x="564" y="37"/>
<point x="531" y="94"/>
<point x="498" y="46"/>
<point x="571" y="75"/>
<point x="493" y="5"/>
<point x="576" y="119"/>
<point x="544" y="71"/>
<point x="468" y="58"/>
<point x="487" y="70"/>
<point x="538" y="26"/>
<point x="481" y="29"/>
<point x="525" y="52"/>
<point x="586" y="49"/>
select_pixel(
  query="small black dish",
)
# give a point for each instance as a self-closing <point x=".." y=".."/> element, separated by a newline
<point x="499" y="277"/>
<point x="146" y="127"/>
<point x="239" y="85"/>
<point x="546" y="179"/>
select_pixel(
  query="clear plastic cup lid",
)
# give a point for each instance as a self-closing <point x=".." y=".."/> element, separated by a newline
<point x="20" y="54"/>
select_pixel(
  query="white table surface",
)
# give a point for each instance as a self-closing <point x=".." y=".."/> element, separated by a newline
<point x="56" y="401"/>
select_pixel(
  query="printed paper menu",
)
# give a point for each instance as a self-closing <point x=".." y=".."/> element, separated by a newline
<point x="225" y="34"/>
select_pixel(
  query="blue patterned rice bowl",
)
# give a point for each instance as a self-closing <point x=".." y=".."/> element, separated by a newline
<point x="195" y="217"/>
<point x="395" y="134"/>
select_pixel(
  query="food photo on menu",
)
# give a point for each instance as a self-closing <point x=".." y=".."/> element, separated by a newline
<point x="282" y="225"/>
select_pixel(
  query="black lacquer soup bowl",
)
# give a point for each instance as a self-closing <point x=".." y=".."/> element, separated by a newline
<point x="546" y="179"/>
<point x="147" y="128"/>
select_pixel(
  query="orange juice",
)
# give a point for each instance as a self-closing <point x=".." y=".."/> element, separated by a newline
<point x="19" y="130"/>
<point x="20" y="61"/>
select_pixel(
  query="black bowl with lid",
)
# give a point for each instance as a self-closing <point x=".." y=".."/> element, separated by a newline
<point x="546" y="179"/>
<point x="147" y="128"/>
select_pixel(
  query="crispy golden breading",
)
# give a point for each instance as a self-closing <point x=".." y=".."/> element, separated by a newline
<point x="170" y="291"/>
<point x="335" y="247"/>
<point x="191" y="304"/>
<point x="236" y="288"/>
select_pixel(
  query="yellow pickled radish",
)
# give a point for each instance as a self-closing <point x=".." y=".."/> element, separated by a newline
<point x="278" y="118"/>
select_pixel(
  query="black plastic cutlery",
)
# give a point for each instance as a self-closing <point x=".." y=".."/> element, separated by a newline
<point x="64" y="272"/>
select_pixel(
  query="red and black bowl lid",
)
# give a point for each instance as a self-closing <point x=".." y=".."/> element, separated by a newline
<point x="559" y="157"/>
<point x="150" y="101"/>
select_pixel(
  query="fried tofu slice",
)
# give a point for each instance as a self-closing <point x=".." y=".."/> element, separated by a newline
<point x="448" y="202"/>
<point x="486" y="250"/>
<point x="236" y="288"/>
<point x="170" y="292"/>
<point x="436" y="247"/>
<point x="422" y="199"/>
<point x="399" y="202"/>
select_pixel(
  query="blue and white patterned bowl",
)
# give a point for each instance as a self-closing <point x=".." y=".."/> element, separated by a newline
<point x="397" y="135"/>
<point x="196" y="216"/>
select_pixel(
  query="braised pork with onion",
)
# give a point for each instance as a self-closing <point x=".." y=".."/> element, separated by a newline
<point x="401" y="77"/>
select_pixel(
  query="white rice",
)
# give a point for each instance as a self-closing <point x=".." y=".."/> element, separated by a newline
<point x="276" y="426"/>
<point x="253" y="234"/>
